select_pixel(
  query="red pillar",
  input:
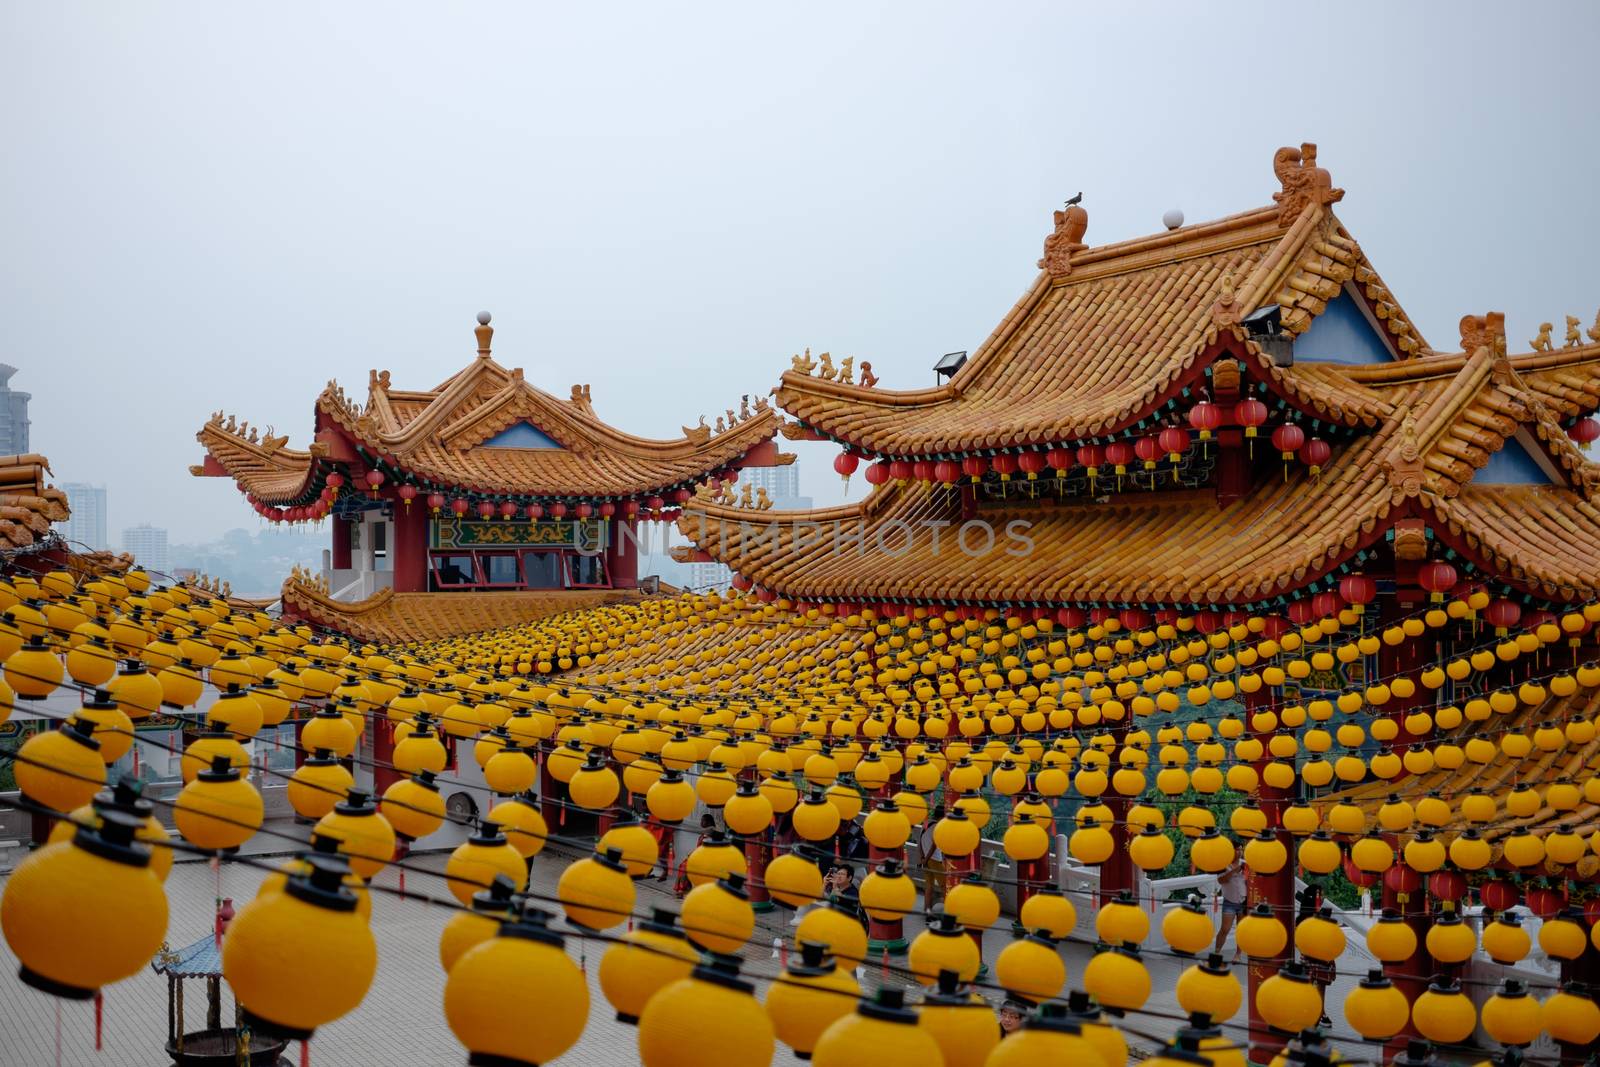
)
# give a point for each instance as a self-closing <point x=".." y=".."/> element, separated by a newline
<point x="886" y="936"/>
<point x="956" y="870"/>
<point x="1276" y="889"/>
<point x="622" y="553"/>
<point x="1116" y="873"/>
<point x="383" y="773"/>
<point x="757" y="854"/>
<point x="341" y="544"/>
<point x="410" y="549"/>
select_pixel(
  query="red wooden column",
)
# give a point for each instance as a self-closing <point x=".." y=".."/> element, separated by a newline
<point x="1409" y="657"/>
<point x="1276" y="889"/>
<point x="622" y="553"/>
<point x="1116" y="873"/>
<point x="410" y="549"/>
<point x="341" y="544"/>
<point x="887" y="937"/>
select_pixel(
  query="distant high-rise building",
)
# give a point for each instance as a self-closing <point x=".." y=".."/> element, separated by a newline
<point x="13" y="415"/>
<point x="148" y="544"/>
<point x="87" y="527"/>
<point x="709" y="577"/>
<point x="781" y="483"/>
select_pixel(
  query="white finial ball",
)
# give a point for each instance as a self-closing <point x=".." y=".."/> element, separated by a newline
<point x="483" y="316"/>
<point x="1172" y="219"/>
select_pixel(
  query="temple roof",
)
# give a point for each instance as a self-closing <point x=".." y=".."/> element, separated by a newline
<point x="390" y="618"/>
<point x="485" y="429"/>
<point x="1445" y="418"/>
<point x="27" y="505"/>
<point x="1105" y="336"/>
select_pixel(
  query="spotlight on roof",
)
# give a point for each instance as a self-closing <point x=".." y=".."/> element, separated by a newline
<point x="948" y="364"/>
<point x="1265" y="327"/>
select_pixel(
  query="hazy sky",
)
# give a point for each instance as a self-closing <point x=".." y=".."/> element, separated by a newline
<point x="211" y="206"/>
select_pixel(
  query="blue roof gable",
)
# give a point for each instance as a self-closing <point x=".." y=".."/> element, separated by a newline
<point x="1342" y="334"/>
<point x="1512" y="465"/>
<point x="521" y="435"/>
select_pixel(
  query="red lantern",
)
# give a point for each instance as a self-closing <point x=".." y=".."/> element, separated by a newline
<point x="1437" y="577"/>
<point x="1546" y="902"/>
<point x="878" y="473"/>
<point x="1031" y="463"/>
<point x="1147" y="449"/>
<point x="1100" y="615"/>
<point x="630" y="508"/>
<point x="1502" y="614"/>
<point x="1315" y="454"/>
<point x="583" y="511"/>
<point x="1251" y="414"/>
<point x="1174" y="442"/>
<point x="558" y="509"/>
<point x="1361" y="879"/>
<point x="974" y="467"/>
<point x="1071" y="618"/>
<point x="1205" y="417"/>
<point x="845" y="464"/>
<point x="1326" y="605"/>
<point x="1274" y="627"/>
<point x="1287" y="439"/>
<point x="653" y="503"/>
<point x="1168" y="616"/>
<point x="507" y="509"/>
<point x="922" y="470"/>
<point x="681" y="496"/>
<point x="534" y="512"/>
<point x="1119" y="454"/>
<point x="947" y="471"/>
<point x="1499" y="895"/>
<point x="1091" y="457"/>
<point x="1005" y="465"/>
<point x="336" y="480"/>
<point x="435" y="502"/>
<point x="1584" y="431"/>
<point x="459" y="505"/>
<point x="740" y="582"/>
<point x="1447" y="885"/>
<point x="374" y="479"/>
<point x="407" y="493"/>
<point x="1059" y="460"/>
<point x="607" y="509"/>
<point x="485" y="509"/>
<point x="1135" y="618"/>
<point x="900" y="470"/>
<point x="1301" y="612"/>
<point x="1207" y="622"/>
<point x="1358" y="590"/>
<point x="1402" y="878"/>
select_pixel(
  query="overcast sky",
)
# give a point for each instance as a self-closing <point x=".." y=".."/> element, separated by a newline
<point x="203" y="206"/>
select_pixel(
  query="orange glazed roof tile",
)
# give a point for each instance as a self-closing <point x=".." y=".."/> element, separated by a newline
<point x="440" y="436"/>
<point x="391" y="618"/>
<point x="1085" y="354"/>
<point x="1447" y="416"/>
<point x="27" y="505"/>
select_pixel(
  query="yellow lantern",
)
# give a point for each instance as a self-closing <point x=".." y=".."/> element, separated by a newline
<point x="814" y="993"/>
<point x="1571" y="1016"/>
<point x="1391" y="939"/>
<point x="467" y="929"/>
<point x="413" y="806"/>
<point x="835" y="930"/>
<point x="648" y="958"/>
<point x="673" y="1030"/>
<point x="1122" y="922"/>
<point x="1261" y="934"/>
<point x="364" y="836"/>
<point x="1288" y="1000"/>
<point x="527" y="956"/>
<point x="1318" y="937"/>
<point x="717" y="915"/>
<point x="1031" y="968"/>
<point x="317" y="785"/>
<point x="1375" y="1009"/>
<point x="1443" y="1014"/>
<point x="219" y="809"/>
<point x="1511" y="1017"/>
<point x="960" y="1021"/>
<point x="1210" y="988"/>
<point x="1505" y="940"/>
<point x="882" y="1030"/>
<point x="637" y="845"/>
<point x="475" y="862"/>
<point x="1117" y="978"/>
<point x="61" y="769"/>
<point x="301" y="957"/>
<point x="1050" y="913"/>
<point x="795" y="878"/>
<point x="85" y="912"/>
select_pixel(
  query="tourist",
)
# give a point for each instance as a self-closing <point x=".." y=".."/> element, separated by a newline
<point x="933" y="862"/>
<point x="1234" y="888"/>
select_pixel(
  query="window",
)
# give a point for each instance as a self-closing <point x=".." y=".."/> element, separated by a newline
<point x="454" y="571"/>
<point x="499" y="568"/>
<point x="542" y="570"/>
<point x="585" y="570"/>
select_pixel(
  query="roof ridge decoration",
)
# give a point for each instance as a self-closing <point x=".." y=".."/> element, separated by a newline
<point x="1304" y="183"/>
<point x="1072" y="222"/>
